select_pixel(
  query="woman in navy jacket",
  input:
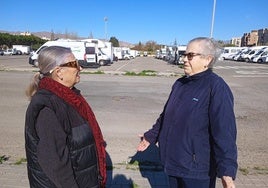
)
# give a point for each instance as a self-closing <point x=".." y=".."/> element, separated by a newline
<point x="196" y="131"/>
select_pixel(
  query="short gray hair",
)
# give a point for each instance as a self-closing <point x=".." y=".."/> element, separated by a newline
<point x="209" y="47"/>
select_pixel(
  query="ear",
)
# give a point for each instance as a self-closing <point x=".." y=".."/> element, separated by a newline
<point x="58" y="74"/>
<point x="210" y="58"/>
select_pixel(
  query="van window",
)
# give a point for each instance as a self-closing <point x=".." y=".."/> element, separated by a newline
<point x="42" y="47"/>
<point x="90" y="50"/>
<point x="264" y="53"/>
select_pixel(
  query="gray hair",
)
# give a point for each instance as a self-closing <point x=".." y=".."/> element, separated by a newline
<point x="209" y="47"/>
<point x="51" y="57"/>
<point x="48" y="58"/>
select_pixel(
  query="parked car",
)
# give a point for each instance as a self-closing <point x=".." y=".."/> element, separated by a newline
<point x="9" y="52"/>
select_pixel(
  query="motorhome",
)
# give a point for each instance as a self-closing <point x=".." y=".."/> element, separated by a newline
<point x="134" y="53"/>
<point x="108" y="50"/>
<point x="121" y="53"/>
<point x="174" y="54"/>
<point x="163" y="53"/>
<point x="95" y="55"/>
<point x="180" y="51"/>
<point x="23" y="48"/>
<point x="77" y="47"/>
<point x="253" y="51"/>
<point x="103" y="50"/>
<point x="238" y="56"/>
<point x="263" y="59"/>
<point x="229" y="52"/>
<point x="258" y="57"/>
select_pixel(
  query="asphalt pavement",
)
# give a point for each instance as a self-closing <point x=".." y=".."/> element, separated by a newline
<point x="125" y="106"/>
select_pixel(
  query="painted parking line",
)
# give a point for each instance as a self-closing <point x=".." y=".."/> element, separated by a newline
<point x="241" y="67"/>
<point x="118" y="69"/>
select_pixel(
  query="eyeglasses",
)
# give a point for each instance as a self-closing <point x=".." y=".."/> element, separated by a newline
<point x="190" y="55"/>
<point x="73" y="64"/>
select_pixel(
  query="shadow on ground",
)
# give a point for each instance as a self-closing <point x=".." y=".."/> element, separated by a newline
<point x="146" y="162"/>
<point x="150" y="166"/>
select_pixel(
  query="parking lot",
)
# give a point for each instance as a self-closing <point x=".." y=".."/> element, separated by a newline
<point x="126" y="106"/>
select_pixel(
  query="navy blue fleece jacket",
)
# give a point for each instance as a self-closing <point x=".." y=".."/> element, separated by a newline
<point x="196" y="131"/>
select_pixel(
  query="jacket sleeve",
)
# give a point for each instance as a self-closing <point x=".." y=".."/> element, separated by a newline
<point x="152" y="134"/>
<point x="52" y="150"/>
<point x="223" y="129"/>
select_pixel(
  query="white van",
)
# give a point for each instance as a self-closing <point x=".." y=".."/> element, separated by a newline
<point x="253" y="51"/>
<point x="238" y="56"/>
<point x="229" y="52"/>
<point x="263" y="59"/>
<point x="259" y="56"/>
<point x="77" y="47"/>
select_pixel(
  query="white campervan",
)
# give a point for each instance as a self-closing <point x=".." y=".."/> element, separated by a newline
<point x="258" y="57"/>
<point x="122" y="53"/>
<point x="229" y="52"/>
<point x="95" y="55"/>
<point x="103" y="51"/>
<point x="77" y="47"/>
<point x="253" y="51"/>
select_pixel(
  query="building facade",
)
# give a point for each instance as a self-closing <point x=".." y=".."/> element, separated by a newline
<point x="255" y="38"/>
<point x="236" y="41"/>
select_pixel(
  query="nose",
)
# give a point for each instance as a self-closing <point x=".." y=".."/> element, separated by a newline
<point x="184" y="58"/>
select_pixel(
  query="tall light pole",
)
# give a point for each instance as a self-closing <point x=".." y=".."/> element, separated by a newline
<point x="212" y="22"/>
<point x="105" y="27"/>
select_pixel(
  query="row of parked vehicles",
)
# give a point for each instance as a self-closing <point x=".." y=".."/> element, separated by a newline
<point x="89" y="52"/>
<point x="171" y="54"/>
<point x="256" y="54"/>
<point x="10" y="51"/>
<point x="16" y="50"/>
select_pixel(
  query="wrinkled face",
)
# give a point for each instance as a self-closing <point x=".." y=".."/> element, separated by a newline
<point x="194" y="61"/>
<point x="69" y="72"/>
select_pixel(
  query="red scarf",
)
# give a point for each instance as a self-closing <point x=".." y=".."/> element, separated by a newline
<point x="78" y="102"/>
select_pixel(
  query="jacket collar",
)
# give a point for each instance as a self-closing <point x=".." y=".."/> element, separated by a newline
<point x="198" y="75"/>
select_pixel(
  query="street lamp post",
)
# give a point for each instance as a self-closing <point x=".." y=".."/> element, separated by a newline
<point x="105" y="27"/>
<point x="212" y="22"/>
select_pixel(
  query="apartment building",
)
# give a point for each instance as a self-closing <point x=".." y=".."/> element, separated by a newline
<point x="255" y="38"/>
<point x="236" y="41"/>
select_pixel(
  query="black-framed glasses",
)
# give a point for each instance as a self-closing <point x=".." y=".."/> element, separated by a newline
<point x="190" y="55"/>
<point x="73" y="64"/>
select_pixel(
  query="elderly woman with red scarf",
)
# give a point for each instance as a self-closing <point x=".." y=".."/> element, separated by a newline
<point x="63" y="141"/>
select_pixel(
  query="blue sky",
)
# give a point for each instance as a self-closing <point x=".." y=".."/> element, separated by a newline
<point x="162" y="21"/>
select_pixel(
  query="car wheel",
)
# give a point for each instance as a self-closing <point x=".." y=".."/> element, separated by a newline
<point x="101" y="62"/>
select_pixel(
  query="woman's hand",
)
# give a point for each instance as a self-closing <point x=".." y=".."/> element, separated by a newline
<point x="143" y="145"/>
<point x="227" y="182"/>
